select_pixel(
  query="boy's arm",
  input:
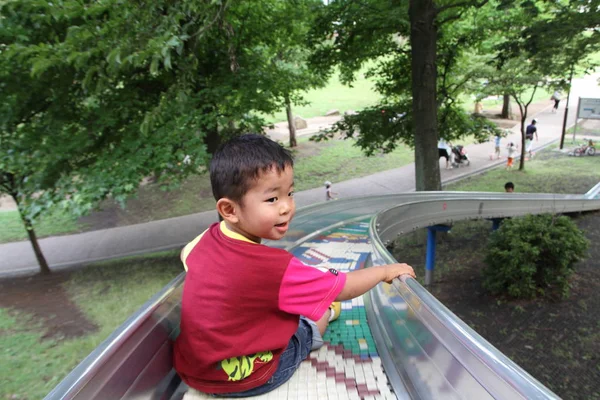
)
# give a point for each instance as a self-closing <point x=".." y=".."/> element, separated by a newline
<point x="361" y="281"/>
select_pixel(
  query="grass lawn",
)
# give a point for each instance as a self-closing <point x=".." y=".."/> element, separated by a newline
<point x="340" y="160"/>
<point x="549" y="172"/>
<point x="55" y="223"/>
<point x="540" y="94"/>
<point x="335" y="160"/>
<point x="333" y="96"/>
<point x="107" y="293"/>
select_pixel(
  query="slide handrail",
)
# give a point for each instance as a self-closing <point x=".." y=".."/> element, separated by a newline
<point x="499" y="375"/>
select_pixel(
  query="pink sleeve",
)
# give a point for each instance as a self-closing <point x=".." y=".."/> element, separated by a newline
<point x="309" y="291"/>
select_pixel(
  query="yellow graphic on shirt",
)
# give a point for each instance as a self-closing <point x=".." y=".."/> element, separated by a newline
<point x="238" y="368"/>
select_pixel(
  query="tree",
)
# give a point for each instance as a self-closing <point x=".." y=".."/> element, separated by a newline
<point x="97" y="96"/>
<point x="506" y="108"/>
<point x="562" y="41"/>
<point x="400" y="36"/>
<point x="549" y="40"/>
<point x="297" y="77"/>
<point x="519" y="79"/>
<point x="291" y="58"/>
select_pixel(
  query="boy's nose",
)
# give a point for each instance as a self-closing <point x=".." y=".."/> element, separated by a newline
<point x="286" y="207"/>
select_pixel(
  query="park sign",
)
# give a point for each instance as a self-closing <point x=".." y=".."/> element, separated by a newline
<point x="588" y="108"/>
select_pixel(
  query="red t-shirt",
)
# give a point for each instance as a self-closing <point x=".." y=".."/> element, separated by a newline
<point x="240" y="307"/>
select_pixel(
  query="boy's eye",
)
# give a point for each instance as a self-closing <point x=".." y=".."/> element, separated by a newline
<point x="291" y="194"/>
<point x="272" y="200"/>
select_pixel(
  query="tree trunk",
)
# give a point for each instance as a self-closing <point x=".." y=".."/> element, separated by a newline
<point x="423" y="37"/>
<point x="523" y="119"/>
<point x="291" y="124"/>
<point x="212" y="140"/>
<point x="44" y="269"/>
<point x="506" y="110"/>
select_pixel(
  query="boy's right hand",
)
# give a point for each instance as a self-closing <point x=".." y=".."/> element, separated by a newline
<point x="393" y="271"/>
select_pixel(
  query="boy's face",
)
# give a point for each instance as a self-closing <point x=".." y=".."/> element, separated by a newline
<point x="268" y="207"/>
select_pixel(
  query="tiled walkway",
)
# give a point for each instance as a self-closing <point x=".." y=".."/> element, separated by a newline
<point x="347" y="366"/>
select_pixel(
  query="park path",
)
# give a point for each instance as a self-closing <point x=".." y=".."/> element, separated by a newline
<point x="17" y="258"/>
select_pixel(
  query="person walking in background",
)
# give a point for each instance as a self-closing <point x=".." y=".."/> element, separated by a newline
<point x="529" y="133"/>
<point x="512" y="151"/>
<point x="445" y="150"/>
<point x="329" y="193"/>
<point x="556" y="97"/>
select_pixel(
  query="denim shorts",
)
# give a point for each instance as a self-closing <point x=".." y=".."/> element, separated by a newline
<point x="306" y="339"/>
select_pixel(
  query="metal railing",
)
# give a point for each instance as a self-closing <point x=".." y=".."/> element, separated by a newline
<point x="135" y="360"/>
<point x="478" y="370"/>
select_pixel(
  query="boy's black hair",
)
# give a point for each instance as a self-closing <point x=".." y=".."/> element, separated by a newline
<point x="509" y="185"/>
<point x="240" y="160"/>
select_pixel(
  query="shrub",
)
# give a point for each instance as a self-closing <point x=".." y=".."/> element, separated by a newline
<point x="533" y="255"/>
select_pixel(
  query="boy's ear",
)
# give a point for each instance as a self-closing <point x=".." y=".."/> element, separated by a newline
<point x="228" y="210"/>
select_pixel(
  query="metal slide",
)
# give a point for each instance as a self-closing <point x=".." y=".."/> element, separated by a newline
<point x="454" y="361"/>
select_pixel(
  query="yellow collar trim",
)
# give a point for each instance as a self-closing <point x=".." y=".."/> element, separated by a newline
<point x="233" y="235"/>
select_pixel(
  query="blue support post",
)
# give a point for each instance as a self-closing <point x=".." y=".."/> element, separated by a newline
<point x="496" y="223"/>
<point x="430" y="256"/>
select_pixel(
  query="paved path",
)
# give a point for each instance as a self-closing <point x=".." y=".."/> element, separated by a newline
<point x="63" y="251"/>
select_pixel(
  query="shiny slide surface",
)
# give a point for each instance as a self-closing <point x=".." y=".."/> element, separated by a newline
<point x="453" y="361"/>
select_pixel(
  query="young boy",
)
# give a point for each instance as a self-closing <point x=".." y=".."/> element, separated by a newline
<point x="329" y="193"/>
<point x="250" y="313"/>
<point x="497" y="140"/>
<point x="509" y="187"/>
<point x="512" y="151"/>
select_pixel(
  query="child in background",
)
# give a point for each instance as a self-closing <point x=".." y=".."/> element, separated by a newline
<point x="250" y="314"/>
<point x="509" y="187"/>
<point x="497" y="140"/>
<point x="329" y="193"/>
<point x="512" y="151"/>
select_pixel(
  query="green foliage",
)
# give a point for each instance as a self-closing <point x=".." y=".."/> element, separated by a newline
<point x="52" y="223"/>
<point x="533" y="255"/>
<point x="383" y="128"/>
<point x="375" y="34"/>
<point x="119" y="92"/>
<point x="98" y="96"/>
<point x="563" y="37"/>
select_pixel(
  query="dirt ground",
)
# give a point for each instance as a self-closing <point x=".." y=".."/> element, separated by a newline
<point x="44" y="298"/>
<point x="558" y="342"/>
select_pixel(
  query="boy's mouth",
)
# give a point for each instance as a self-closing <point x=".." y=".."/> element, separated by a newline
<point x="282" y="225"/>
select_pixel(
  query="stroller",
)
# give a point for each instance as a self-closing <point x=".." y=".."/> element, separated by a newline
<point x="460" y="156"/>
